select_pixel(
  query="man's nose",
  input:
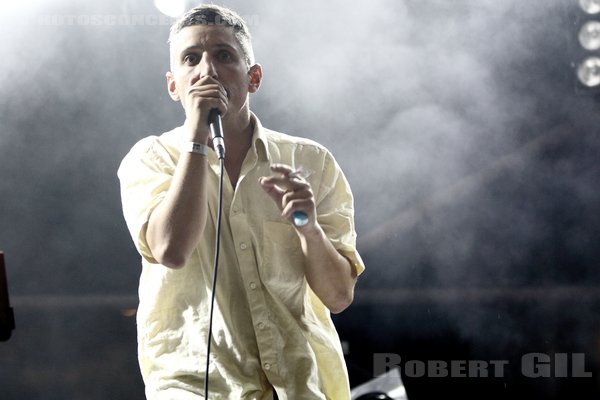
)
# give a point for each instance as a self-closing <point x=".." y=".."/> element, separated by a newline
<point x="207" y="67"/>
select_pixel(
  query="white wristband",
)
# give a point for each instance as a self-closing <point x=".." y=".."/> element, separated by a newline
<point x="196" y="148"/>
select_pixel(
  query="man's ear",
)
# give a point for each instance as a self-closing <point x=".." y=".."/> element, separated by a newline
<point x="171" y="87"/>
<point x="256" y="75"/>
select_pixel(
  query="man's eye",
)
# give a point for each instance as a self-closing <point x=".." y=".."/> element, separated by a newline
<point x="224" y="56"/>
<point x="190" y="59"/>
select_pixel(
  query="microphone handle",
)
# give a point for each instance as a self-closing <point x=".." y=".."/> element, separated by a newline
<point x="216" y="132"/>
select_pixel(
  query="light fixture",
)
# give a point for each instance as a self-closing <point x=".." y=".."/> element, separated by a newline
<point x="589" y="35"/>
<point x="586" y="57"/>
<point x="590" y="6"/>
<point x="171" y="8"/>
<point x="588" y="72"/>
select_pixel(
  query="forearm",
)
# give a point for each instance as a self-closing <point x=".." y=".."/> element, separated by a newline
<point x="176" y="225"/>
<point x="330" y="275"/>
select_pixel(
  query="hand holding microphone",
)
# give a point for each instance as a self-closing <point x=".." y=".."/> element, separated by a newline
<point x="205" y="101"/>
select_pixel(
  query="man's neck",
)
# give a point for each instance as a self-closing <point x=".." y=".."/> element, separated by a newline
<point x="237" y="135"/>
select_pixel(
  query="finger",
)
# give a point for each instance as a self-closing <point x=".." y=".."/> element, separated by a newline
<point x="291" y="196"/>
<point x="295" y="176"/>
<point x="208" y="99"/>
<point x="283" y="169"/>
<point x="205" y="81"/>
<point x="208" y="92"/>
<point x="275" y="192"/>
<point x="304" y="204"/>
<point x="287" y="184"/>
<point x="209" y="84"/>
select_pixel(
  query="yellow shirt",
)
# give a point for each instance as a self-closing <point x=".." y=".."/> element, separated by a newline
<point x="269" y="328"/>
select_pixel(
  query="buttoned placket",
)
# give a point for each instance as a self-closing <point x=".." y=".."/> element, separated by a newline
<point x="244" y="247"/>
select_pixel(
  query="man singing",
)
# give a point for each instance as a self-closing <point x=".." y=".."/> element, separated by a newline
<point x="278" y="281"/>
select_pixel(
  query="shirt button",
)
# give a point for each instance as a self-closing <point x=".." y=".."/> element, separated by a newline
<point x="243" y="246"/>
<point x="252" y="285"/>
<point x="267" y="366"/>
<point x="261" y="325"/>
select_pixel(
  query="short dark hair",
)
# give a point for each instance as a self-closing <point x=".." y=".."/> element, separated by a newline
<point x="211" y="14"/>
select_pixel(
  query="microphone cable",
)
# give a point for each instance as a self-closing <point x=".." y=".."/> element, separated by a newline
<point x="215" y="270"/>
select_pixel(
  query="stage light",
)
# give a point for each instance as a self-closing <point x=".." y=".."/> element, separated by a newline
<point x="171" y="8"/>
<point x="588" y="72"/>
<point x="590" y="6"/>
<point x="589" y="35"/>
<point x="585" y="55"/>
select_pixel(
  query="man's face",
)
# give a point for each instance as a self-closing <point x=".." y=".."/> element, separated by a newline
<point x="211" y="50"/>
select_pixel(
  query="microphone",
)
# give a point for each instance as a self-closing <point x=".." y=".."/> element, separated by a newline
<point x="216" y="132"/>
<point x="7" y="317"/>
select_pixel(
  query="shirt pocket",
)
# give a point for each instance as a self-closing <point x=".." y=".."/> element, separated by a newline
<point x="282" y="270"/>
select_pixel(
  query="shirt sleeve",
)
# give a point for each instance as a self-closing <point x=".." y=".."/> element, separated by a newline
<point x="145" y="175"/>
<point x="335" y="209"/>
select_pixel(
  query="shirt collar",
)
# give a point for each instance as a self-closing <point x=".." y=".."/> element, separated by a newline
<point x="260" y="142"/>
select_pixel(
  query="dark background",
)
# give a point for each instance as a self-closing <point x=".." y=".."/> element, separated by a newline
<point x="471" y="150"/>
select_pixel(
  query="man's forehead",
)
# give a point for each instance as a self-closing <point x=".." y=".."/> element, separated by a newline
<point x="204" y="36"/>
